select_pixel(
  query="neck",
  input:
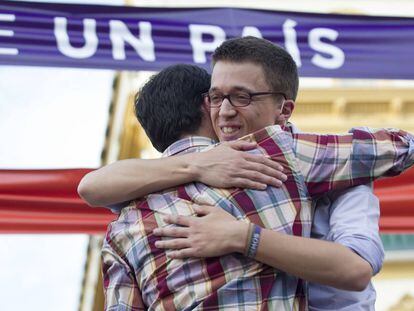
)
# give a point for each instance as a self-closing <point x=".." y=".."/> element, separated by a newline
<point x="198" y="133"/>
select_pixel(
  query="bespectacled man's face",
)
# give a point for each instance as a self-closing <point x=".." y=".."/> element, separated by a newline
<point x="231" y="122"/>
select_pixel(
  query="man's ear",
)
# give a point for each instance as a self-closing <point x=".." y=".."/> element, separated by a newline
<point x="287" y="110"/>
<point x="205" y="106"/>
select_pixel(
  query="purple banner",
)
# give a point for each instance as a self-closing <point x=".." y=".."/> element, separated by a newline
<point x="131" y="38"/>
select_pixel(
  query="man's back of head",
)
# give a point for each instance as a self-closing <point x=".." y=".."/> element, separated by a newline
<point x="169" y="105"/>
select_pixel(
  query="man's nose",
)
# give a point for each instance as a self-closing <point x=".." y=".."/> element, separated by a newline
<point x="226" y="109"/>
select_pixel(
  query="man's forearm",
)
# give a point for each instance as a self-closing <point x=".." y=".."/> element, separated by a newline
<point x="314" y="260"/>
<point x="224" y="166"/>
<point x="352" y="159"/>
<point x="216" y="232"/>
<point x="133" y="178"/>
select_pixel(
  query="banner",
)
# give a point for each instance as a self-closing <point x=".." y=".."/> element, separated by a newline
<point x="46" y="201"/>
<point x="132" y="38"/>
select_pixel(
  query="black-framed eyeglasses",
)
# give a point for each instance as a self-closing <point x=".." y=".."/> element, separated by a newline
<point x="236" y="99"/>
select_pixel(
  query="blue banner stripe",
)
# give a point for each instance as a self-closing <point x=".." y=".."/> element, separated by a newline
<point x="132" y="38"/>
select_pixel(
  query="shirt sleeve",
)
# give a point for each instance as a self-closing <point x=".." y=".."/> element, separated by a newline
<point x="334" y="162"/>
<point x="117" y="207"/>
<point x="353" y="222"/>
<point x="120" y="286"/>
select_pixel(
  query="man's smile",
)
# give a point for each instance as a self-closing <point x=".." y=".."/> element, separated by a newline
<point x="229" y="131"/>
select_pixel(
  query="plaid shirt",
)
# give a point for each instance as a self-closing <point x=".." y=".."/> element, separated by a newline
<point x="138" y="276"/>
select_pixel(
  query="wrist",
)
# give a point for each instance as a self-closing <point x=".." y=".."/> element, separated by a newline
<point x="188" y="168"/>
<point x="253" y="241"/>
<point x="240" y="237"/>
<point x="193" y="166"/>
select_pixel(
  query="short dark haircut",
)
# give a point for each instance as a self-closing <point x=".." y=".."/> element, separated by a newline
<point x="278" y="66"/>
<point x="169" y="105"/>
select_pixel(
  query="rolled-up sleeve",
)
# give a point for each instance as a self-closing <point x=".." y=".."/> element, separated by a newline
<point x="354" y="216"/>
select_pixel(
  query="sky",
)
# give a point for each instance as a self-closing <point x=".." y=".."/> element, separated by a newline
<point x="49" y="118"/>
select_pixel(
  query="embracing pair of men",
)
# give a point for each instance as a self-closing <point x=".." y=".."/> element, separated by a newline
<point x="267" y="219"/>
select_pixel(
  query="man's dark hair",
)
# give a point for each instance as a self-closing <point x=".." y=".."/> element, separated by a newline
<point x="278" y="66"/>
<point x="169" y="105"/>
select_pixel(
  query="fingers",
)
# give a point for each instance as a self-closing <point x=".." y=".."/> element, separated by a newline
<point x="203" y="210"/>
<point x="173" y="244"/>
<point x="264" y="169"/>
<point x="258" y="173"/>
<point x="242" y="145"/>
<point x="178" y="220"/>
<point x="248" y="184"/>
<point x="182" y="253"/>
<point x="252" y="178"/>
<point x="264" y="160"/>
<point x="225" y="168"/>
<point x="173" y="232"/>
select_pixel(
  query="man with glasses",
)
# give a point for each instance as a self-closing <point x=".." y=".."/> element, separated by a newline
<point x="237" y="110"/>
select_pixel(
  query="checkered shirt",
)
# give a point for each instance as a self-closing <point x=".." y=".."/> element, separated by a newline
<point x="138" y="276"/>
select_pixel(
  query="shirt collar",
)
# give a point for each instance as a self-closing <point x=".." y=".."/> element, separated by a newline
<point x="187" y="145"/>
<point x="190" y="144"/>
<point x="289" y="127"/>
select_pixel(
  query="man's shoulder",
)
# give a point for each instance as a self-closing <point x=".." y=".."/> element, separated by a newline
<point x="126" y="218"/>
<point x="124" y="232"/>
<point x="188" y="145"/>
<point x="271" y="137"/>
